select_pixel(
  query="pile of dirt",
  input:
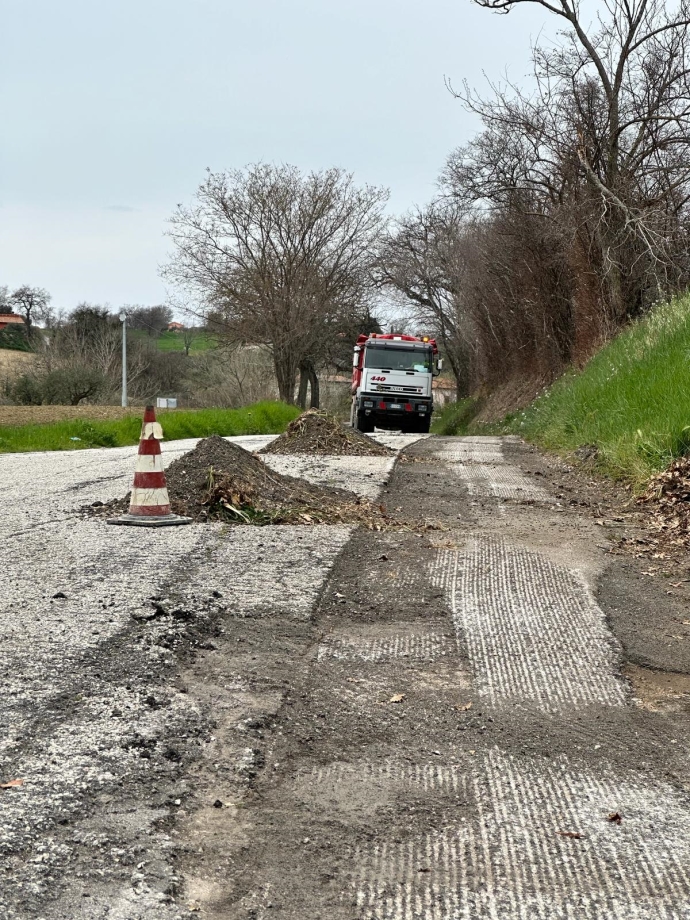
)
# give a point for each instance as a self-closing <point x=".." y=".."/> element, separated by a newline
<point x="667" y="498"/>
<point x="316" y="432"/>
<point x="219" y="481"/>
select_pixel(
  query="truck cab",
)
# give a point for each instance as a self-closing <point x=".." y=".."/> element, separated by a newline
<point x="392" y="382"/>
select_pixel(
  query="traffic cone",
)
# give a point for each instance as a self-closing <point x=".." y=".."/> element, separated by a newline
<point x="149" y="505"/>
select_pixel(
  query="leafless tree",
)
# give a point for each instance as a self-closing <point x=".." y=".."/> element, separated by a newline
<point x="189" y="334"/>
<point x="278" y="258"/>
<point x="423" y="259"/>
<point x="31" y="303"/>
<point x="602" y="147"/>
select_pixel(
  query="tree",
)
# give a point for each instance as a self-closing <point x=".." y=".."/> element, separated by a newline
<point x="189" y="334"/>
<point x="602" y="146"/>
<point x="278" y="258"/>
<point x="32" y="303"/>
<point x="151" y="320"/>
<point x="423" y="259"/>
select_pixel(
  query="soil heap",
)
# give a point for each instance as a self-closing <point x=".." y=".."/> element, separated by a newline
<point x="316" y="432"/>
<point x="219" y="481"/>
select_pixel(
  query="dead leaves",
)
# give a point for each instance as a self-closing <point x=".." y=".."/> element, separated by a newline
<point x="463" y="707"/>
<point x="572" y="835"/>
<point x="13" y="783"/>
<point x="614" y="817"/>
<point x="397" y="698"/>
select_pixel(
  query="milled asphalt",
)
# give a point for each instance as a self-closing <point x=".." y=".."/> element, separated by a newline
<point x="321" y="722"/>
<point x="70" y="590"/>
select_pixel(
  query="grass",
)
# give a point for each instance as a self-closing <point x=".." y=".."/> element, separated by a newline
<point x="260" y="418"/>
<point x="169" y="340"/>
<point x="632" y="400"/>
<point x="454" y="418"/>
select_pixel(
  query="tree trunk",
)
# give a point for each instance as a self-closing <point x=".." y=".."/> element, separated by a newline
<point x="303" y="384"/>
<point x="314" y="387"/>
<point x="308" y="379"/>
<point x="286" y="374"/>
<point x="461" y="371"/>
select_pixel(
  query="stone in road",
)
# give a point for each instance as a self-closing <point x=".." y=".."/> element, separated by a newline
<point x="325" y="723"/>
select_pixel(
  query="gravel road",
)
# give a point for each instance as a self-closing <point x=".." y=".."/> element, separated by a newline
<point x="323" y="722"/>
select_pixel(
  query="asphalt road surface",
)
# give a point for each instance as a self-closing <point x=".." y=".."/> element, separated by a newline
<point x="309" y="723"/>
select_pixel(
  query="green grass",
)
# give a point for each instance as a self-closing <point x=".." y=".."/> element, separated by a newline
<point x="454" y="418"/>
<point x="174" y="341"/>
<point x="260" y="418"/>
<point x="632" y="400"/>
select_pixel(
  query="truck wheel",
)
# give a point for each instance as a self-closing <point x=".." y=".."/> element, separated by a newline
<point x="365" y="424"/>
<point x="424" y="424"/>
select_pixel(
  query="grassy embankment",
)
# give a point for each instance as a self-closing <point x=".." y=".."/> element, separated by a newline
<point x="631" y="401"/>
<point x="261" y="418"/>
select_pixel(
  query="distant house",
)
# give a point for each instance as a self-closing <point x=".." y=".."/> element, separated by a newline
<point x="175" y="327"/>
<point x="10" y="319"/>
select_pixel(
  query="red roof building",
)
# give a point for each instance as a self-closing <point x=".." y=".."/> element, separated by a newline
<point x="175" y="327"/>
<point x="10" y="319"/>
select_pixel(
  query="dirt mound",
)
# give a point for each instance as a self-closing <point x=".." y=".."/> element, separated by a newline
<point x="317" y="432"/>
<point x="219" y="481"/>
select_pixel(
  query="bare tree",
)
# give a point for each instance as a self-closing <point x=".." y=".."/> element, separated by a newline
<point x="603" y="145"/>
<point x="32" y="303"/>
<point x="423" y="259"/>
<point x="189" y="335"/>
<point x="278" y="258"/>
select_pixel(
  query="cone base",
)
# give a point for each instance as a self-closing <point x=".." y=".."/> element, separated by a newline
<point x="136" y="520"/>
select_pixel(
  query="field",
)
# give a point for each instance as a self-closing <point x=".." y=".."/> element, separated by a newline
<point x="74" y="428"/>
<point x="48" y="415"/>
<point x="173" y="341"/>
<point x="14" y="362"/>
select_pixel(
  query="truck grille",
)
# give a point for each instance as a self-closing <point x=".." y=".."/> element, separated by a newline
<point x="384" y="388"/>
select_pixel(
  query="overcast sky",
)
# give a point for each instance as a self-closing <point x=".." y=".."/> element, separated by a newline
<point x="110" y="111"/>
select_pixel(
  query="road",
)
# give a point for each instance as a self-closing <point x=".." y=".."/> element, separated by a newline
<point x="323" y="722"/>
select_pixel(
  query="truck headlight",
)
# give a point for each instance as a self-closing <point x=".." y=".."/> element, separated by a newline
<point x="368" y="403"/>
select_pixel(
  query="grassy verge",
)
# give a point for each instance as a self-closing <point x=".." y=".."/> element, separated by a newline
<point x="631" y="401"/>
<point x="261" y="418"/>
<point x="455" y="418"/>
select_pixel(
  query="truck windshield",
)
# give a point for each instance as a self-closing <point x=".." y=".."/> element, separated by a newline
<point x="398" y="359"/>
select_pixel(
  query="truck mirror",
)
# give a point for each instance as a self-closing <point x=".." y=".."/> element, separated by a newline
<point x="440" y="364"/>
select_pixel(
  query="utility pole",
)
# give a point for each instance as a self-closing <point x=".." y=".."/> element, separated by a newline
<point x="123" y="320"/>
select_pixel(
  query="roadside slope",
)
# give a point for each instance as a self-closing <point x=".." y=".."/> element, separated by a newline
<point x="629" y="404"/>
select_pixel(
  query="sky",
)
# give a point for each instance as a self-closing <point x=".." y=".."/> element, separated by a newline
<point x="111" y="111"/>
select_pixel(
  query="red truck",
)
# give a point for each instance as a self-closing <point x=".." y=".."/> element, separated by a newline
<point x="391" y="382"/>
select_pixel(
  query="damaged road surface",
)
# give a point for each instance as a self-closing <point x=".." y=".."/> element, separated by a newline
<point x="331" y="722"/>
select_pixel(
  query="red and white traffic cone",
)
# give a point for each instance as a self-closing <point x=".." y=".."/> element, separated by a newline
<point x="149" y="505"/>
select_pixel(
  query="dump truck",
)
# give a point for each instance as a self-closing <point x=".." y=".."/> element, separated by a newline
<point x="391" y="382"/>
